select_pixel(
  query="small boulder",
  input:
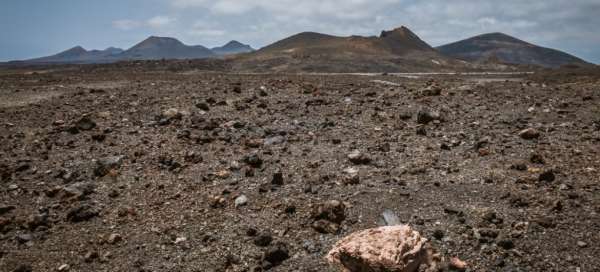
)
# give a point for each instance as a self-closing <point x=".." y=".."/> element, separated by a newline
<point x="391" y="248"/>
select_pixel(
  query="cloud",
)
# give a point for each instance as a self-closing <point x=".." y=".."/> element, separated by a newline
<point x="154" y="22"/>
<point x="126" y="24"/>
<point x="566" y="25"/>
<point x="159" y="21"/>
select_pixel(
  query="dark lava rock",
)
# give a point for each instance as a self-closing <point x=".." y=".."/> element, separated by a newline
<point x="492" y="217"/>
<point x="519" y="166"/>
<point x="506" y="243"/>
<point x="425" y="116"/>
<point x="328" y="216"/>
<point x="529" y="134"/>
<point x="547" y="176"/>
<point x="23" y="268"/>
<point x="6" y="209"/>
<point x="537" y="158"/>
<point x="253" y="160"/>
<point x="37" y="220"/>
<point x="82" y="213"/>
<point x="105" y="165"/>
<point x="277" y="178"/>
<point x="263" y="240"/>
<point x="83" y="124"/>
<point x="546" y="222"/>
<point x="203" y="106"/>
<point x="275" y="255"/>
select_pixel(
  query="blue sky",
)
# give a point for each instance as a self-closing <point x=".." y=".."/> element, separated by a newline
<point x="33" y="28"/>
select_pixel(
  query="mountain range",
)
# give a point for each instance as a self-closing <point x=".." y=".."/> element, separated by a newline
<point x="397" y="50"/>
<point x="152" y="48"/>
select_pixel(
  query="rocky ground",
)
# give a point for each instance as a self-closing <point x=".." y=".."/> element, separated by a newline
<point x="114" y="170"/>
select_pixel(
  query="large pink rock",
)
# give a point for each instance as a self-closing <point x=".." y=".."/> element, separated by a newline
<point x="393" y="248"/>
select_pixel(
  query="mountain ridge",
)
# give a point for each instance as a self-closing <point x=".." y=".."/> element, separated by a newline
<point x="500" y="47"/>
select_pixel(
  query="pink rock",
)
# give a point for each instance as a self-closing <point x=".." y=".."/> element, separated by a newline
<point x="392" y="248"/>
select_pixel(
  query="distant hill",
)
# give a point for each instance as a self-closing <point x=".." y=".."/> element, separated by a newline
<point x="393" y="51"/>
<point x="399" y="41"/>
<point x="78" y="54"/>
<point x="165" y="48"/>
<point x="152" y="48"/>
<point x="232" y="48"/>
<point x="499" y="47"/>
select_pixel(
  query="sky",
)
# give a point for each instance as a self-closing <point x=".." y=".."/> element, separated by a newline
<point x="34" y="28"/>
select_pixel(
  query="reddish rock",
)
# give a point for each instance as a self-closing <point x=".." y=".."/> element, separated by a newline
<point x="393" y="248"/>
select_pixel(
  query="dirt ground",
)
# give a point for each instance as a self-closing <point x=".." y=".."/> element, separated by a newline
<point x="113" y="170"/>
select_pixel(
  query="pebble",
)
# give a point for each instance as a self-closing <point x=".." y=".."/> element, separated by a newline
<point x="457" y="264"/>
<point x="275" y="255"/>
<point x="529" y="134"/>
<point x="82" y="213"/>
<point x="241" y="200"/>
<point x="357" y="157"/>
<point x="114" y="238"/>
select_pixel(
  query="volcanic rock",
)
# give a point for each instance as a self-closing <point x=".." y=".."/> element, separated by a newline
<point x="391" y="248"/>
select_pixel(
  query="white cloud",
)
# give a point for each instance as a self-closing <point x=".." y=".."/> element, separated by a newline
<point x="126" y="24"/>
<point x="566" y="25"/>
<point x="160" y="21"/>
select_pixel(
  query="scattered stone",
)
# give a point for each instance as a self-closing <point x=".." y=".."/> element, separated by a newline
<point x="83" y="124"/>
<point x="390" y="218"/>
<point x="547" y="176"/>
<point x="172" y="114"/>
<point x="274" y="140"/>
<point x="82" y="213"/>
<point x="275" y="255"/>
<point x="6" y="209"/>
<point x="529" y="134"/>
<point x="23" y="268"/>
<point x="328" y="216"/>
<point x="114" y="238"/>
<point x="581" y="244"/>
<point x="37" y="220"/>
<point x="390" y="248"/>
<point x="519" y="166"/>
<point x="217" y="202"/>
<point x="253" y="160"/>
<point x="241" y="200"/>
<point x="438" y="234"/>
<point x="203" y="106"/>
<point x="506" y="243"/>
<point x="546" y="222"/>
<point x="277" y="178"/>
<point x="357" y="157"/>
<point x="457" y="264"/>
<point x="425" y="116"/>
<point x="105" y="165"/>
<point x="24" y="238"/>
<point x="90" y="256"/>
<point x="64" y="267"/>
<point x="537" y="158"/>
<point x="263" y="240"/>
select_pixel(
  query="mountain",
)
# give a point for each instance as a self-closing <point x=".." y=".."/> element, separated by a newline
<point x="499" y="47"/>
<point x="164" y="48"/>
<point x="231" y="48"/>
<point x="400" y="41"/>
<point x="393" y="51"/>
<point x="79" y="54"/>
